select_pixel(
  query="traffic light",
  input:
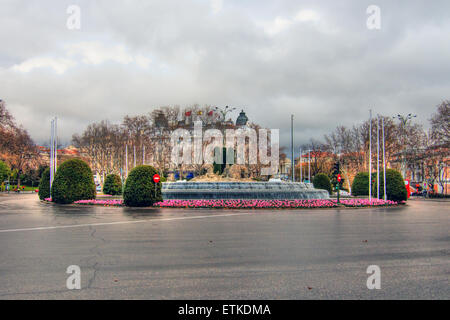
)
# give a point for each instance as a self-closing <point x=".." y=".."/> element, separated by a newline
<point x="336" y="168"/>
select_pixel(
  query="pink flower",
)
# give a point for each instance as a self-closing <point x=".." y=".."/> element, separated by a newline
<point x="109" y="202"/>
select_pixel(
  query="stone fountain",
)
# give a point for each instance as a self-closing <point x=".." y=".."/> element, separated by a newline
<point x="208" y="190"/>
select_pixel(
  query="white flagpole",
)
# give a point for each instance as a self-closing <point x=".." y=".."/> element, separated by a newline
<point x="309" y="166"/>
<point x="301" y="167"/>
<point x="51" y="155"/>
<point x="55" y="163"/>
<point x="292" y="148"/>
<point x="370" y="155"/>
<point x="143" y="154"/>
<point x="378" y="156"/>
<point x="126" y="160"/>
<point x="384" y="160"/>
<point x="134" y="156"/>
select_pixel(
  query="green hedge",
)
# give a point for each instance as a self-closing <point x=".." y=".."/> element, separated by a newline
<point x="44" y="185"/>
<point x="322" y="181"/>
<point x="73" y="181"/>
<point x="395" y="186"/>
<point x="360" y="185"/>
<point x="139" y="188"/>
<point x="113" y="185"/>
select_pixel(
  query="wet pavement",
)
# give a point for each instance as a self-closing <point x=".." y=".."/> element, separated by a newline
<point x="151" y="253"/>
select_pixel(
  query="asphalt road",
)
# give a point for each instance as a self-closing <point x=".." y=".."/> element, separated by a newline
<point x="222" y="254"/>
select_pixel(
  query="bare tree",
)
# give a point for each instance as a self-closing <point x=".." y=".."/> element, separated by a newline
<point x="24" y="153"/>
<point x="440" y="124"/>
<point x="320" y="157"/>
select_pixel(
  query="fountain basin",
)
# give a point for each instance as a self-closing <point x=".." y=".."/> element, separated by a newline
<point x="241" y="190"/>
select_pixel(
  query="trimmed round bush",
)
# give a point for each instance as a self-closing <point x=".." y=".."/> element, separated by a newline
<point x="322" y="181"/>
<point x="395" y="186"/>
<point x="73" y="181"/>
<point x="360" y="185"/>
<point x="113" y="185"/>
<point x="140" y="189"/>
<point x="44" y="185"/>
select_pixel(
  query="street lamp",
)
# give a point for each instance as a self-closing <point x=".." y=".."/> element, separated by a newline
<point x="403" y="122"/>
<point x="224" y="111"/>
<point x="404" y="119"/>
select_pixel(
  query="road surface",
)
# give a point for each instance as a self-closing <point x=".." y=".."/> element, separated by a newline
<point x="222" y="254"/>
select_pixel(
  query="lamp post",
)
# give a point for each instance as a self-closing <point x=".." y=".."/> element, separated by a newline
<point x="403" y="122"/>
<point x="224" y="111"/>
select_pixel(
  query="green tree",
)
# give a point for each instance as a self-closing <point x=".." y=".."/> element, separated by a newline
<point x="395" y="186"/>
<point x="140" y="190"/>
<point x="44" y="185"/>
<point x="113" y="185"/>
<point x="5" y="171"/>
<point x="322" y="181"/>
<point x="73" y="181"/>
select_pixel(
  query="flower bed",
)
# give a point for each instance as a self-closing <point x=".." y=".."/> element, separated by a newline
<point x="109" y="202"/>
<point x="247" y="204"/>
<point x="366" y="202"/>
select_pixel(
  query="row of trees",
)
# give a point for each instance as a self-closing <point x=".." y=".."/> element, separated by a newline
<point x="145" y="139"/>
<point x="17" y="149"/>
<point x="426" y="153"/>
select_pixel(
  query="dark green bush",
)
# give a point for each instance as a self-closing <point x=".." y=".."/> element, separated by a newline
<point x="113" y="185"/>
<point x="395" y="186"/>
<point x="73" y="181"/>
<point x="139" y="188"/>
<point x="44" y="185"/>
<point x="322" y="181"/>
<point x="360" y="185"/>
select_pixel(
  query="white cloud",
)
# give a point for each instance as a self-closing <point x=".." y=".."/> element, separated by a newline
<point x="216" y="6"/>
<point x="142" y="61"/>
<point x="96" y="53"/>
<point x="277" y="25"/>
<point x="59" y="65"/>
<point x="90" y="53"/>
<point x="315" y="59"/>
<point x="307" y="15"/>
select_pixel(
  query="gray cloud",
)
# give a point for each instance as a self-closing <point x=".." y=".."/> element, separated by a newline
<point x="314" y="59"/>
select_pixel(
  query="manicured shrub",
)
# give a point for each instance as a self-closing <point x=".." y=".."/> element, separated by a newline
<point x="395" y="186"/>
<point x="322" y="181"/>
<point x="140" y="190"/>
<point x="113" y="185"/>
<point x="360" y="185"/>
<point x="44" y="185"/>
<point x="73" y="181"/>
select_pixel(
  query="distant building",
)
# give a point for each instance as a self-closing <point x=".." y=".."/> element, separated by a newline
<point x="242" y="119"/>
<point x="63" y="154"/>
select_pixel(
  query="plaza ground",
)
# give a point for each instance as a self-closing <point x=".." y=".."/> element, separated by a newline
<point x="151" y="253"/>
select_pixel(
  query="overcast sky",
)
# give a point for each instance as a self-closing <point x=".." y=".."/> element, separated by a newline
<point x="314" y="59"/>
